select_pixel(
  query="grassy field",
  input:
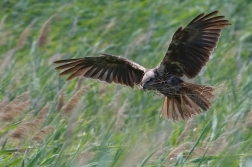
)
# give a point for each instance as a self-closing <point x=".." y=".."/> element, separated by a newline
<point x="47" y="121"/>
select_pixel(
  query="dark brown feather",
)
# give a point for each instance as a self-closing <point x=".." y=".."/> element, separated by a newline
<point x="65" y="61"/>
<point x="106" y="68"/>
<point x="191" y="47"/>
<point x="190" y="100"/>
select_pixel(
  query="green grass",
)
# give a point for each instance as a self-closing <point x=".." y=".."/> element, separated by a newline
<point x="94" y="134"/>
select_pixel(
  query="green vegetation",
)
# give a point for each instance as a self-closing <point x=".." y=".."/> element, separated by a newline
<point x="113" y="125"/>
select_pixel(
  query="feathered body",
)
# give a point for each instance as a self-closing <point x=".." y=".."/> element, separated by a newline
<point x="182" y="99"/>
<point x="187" y="53"/>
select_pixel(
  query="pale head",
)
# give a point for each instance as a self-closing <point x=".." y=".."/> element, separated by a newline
<point x="148" y="78"/>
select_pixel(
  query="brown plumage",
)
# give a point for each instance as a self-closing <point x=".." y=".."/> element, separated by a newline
<point x="106" y="68"/>
<point x="187" y="53"/>
<point x="192" y="46"/>
<point x="189" y="100"/>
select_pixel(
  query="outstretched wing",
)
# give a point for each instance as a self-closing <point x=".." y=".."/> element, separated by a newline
<point x="191" y="46"/>
<point x="106" y="68"/>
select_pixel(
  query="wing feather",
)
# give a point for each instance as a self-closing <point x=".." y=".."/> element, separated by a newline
<point x="192" y="46"/>
<point x="102" y="73"/>
<point x="106" y="68"/>
<point x="109" y="74"/>
<point x="70" y="70"/>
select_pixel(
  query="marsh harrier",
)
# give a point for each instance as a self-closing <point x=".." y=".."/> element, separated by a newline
<point x="187" y="53"/>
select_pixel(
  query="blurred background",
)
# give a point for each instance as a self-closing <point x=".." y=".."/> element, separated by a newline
<point x="47" y="121"/>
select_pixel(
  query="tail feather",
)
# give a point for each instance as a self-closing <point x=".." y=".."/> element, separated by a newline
<point x="190" y="100"/>
<point x="200" y="94"/>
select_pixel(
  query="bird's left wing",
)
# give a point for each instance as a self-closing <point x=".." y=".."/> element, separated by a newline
<point x="106" y="68"/>
<point x="191" y="46"/>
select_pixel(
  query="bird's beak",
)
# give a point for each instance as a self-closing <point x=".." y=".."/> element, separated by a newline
<point x="145" y="85"/>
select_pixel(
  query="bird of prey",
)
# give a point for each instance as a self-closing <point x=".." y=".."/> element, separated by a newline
<point x="187" y="53"/>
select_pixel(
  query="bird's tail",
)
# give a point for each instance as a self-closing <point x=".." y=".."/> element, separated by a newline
<point x="190" y="100"/>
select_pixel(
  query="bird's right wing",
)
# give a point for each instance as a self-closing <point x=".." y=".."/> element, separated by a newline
<point x="106" y="68"/>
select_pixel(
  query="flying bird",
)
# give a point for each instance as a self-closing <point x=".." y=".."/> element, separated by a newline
<point x="187" y="53"/>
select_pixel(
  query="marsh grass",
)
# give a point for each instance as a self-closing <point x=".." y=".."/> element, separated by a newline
<point x="47" y="121"/>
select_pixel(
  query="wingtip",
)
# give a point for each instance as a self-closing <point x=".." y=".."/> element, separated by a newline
<point x="201" y="15"/>
<point x="215" y="12"/>
<point x="212" y="13"/>
<point x="228" y="23"/>
<point x="66" y="60"/>
<point x="57" y="68"/>
<point x="60" y="61"/>
<point x="56" y="62"/>
<point x="70" y="77"/>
